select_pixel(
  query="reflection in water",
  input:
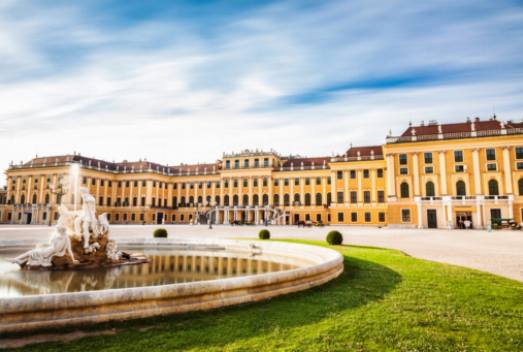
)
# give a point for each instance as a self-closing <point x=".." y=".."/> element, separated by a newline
<point x="161" y="270"/>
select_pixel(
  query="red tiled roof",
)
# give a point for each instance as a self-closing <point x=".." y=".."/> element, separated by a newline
<point x="366" y="151"/>
<point x="297" y="162"/>
<point x="477" y="124"/>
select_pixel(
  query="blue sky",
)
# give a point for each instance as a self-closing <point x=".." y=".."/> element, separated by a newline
<point x="184" y="81"/>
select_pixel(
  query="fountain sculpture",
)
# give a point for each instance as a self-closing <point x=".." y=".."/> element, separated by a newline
<point x="80" y="240"/>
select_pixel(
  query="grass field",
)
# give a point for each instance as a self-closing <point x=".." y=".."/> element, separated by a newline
<point x="384" y="301"/>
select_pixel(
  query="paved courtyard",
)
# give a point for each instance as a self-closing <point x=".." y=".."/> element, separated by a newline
<point x="498" y="252"/>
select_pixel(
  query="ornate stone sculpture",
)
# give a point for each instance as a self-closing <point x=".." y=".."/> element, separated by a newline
<point x="80" y="240"/>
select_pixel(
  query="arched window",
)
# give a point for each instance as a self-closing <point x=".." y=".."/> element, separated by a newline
<point x="265" y="199"/>
<point x="191" y="200"/>
<point x="255" y="200"/>
<point x="286" y="200"/>
<point x="318" y="198"/>
<point x="182" y="202"/>
<point x="34" y="198"/>
<point x="296" y="199"/>
<point x="47" y="199"/>
<point x="404" y="190"/>
<point x="307" y="199"/>
<point x="493" y="189"/>
<point x="208" y="200"/>
<point x="200" y="200"/>
<point x="235" y="200"/>
<point x="461" y="189"/>
<point x="329" y="199"/>
<point x="226" y="200"/>
<point x="245" y="200"/>
<point x="276" y="200"/>
<point x="429" y="189"/>
<point x="217" y="200"/>
<point x="520" y="186"/>
<point x="22" y="199"/>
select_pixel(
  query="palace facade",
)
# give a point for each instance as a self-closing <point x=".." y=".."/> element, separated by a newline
<point x="431" y="176"/>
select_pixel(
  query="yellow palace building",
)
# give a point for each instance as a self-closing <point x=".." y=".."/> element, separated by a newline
<point x="431" y="176"/>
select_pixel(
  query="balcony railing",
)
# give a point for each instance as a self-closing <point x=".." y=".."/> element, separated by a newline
<point x="453" y="135"/>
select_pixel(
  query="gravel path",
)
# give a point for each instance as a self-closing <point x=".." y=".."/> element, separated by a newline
<point x="498" y="252"/>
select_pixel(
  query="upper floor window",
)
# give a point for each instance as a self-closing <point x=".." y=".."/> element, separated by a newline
<point x="461" y="189"/>
<point x="318" y="180"/>
<point x="266" y="162"/>
<point x="459" y="168"/>
<point x="256" y="162"/>
<point x="429" y="170"/>
<point x="339" y="175"/>
<point x="296" y="181"/>
<point x="404" y="171"/>
<point x="520" y="186"/>
<point x="491" y="153"/>
<point x="236" y="164"/>
<point x="366" y="173"/>
<point x="404" y="190"/>
<point x="286" y="181"/>
<point x="380" y="173"/>
<point x="429" y="189"/>
<point x="265" y="181"/>
<point x="428" y="158"/>
<point x="403" y="159"/>
<point x="246" y="163"/>
<point x="493" y="188"/>
<point x="381" y="197"/>
<point x="458" y="156"/>
<point x="307" y="181"/>
<point x="255" y="182"/>
<point x="353" y="174"/>
<point x="491" y="167"/>
<point x="246" y="183"/>
<point x="519" y="152"/>
<point x="227" y="164"/>
<point x="366" y="196"/>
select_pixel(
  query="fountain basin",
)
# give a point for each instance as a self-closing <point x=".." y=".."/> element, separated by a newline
<point x="306" y="267"/>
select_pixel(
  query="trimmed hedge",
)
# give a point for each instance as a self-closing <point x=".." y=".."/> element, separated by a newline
<point x="264" y="234"/>
<point x="334" y="237"/>
<point x="160" y="233"/>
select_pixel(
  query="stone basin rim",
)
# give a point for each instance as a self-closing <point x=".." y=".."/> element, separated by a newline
<point x="326" y="264"/>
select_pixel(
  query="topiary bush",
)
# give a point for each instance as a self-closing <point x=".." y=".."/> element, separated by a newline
<point x="264" y="234"/>
<point x="334" y="237"/>
<point x="160" y="233"/>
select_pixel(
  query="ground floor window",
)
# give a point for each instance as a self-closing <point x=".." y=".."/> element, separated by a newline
<point x="142" y="216"/>
<point x="307" y="217"/>
<point x="125" y="217"/>
<point x="340" y="217"/>
<point x="354" y="217"/>
<point x="174" y="218"/>
<point x="116" y="217"/>
<point x="318" y="217"/>
<point x="328" y="217"/>
<point x="381" y="217"/>
<point x="181" y="217"/>
<point x="367" y="217"/>
<point x="44" y="216"/>
<point x="9" y="216"/>
<point x="405" y="215"/>
<point x="133" y="217"/>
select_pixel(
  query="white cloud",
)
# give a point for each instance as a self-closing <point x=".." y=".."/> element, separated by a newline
<point x="161" y="90"/>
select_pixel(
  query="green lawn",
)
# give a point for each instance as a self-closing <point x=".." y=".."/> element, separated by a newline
<point x="384" y="301"/>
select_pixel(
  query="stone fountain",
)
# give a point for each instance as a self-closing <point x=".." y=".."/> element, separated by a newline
<point x="80" y="240"/>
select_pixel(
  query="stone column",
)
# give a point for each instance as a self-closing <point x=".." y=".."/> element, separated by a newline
<point x="415" y="173"/>
<point x="417" y="200"/>
<point x="507" y="171"/>
<point x="324" y="190"/>
<point x="443" y="173"/>
<point x="477" y="175"/>
<point x="374" y="191"/>
<point x="149" y="193"/>
<point x="333" y="187"/>
<point x="391" y="177"/>
<point x="302" y="191"/>
<point x="222" y="192"/>
<point x="359" y="174"/>
<point x="270" y="181"/>
<point x="250" y="183"/>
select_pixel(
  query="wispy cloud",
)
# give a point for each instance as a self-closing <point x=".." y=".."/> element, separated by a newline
<point x="183" y="81"/>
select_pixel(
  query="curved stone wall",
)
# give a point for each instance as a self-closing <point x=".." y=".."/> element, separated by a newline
<point x="316" y="266"/>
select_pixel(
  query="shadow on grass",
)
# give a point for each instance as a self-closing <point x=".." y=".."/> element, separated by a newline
<point x="362" y="282"/>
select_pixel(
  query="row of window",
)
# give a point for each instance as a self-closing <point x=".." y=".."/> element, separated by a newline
<point x="461" y="189"/>
<point x="352" y="173"/>
<point x="490" y="154"/>
<point x="246" y="163"/>
<point x="367" y="217"/>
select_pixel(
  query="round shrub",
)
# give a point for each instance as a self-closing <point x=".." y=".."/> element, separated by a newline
<point x="334" y="237"/>
<point x="264" y="234"/>
<point x="160" y="233"/>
